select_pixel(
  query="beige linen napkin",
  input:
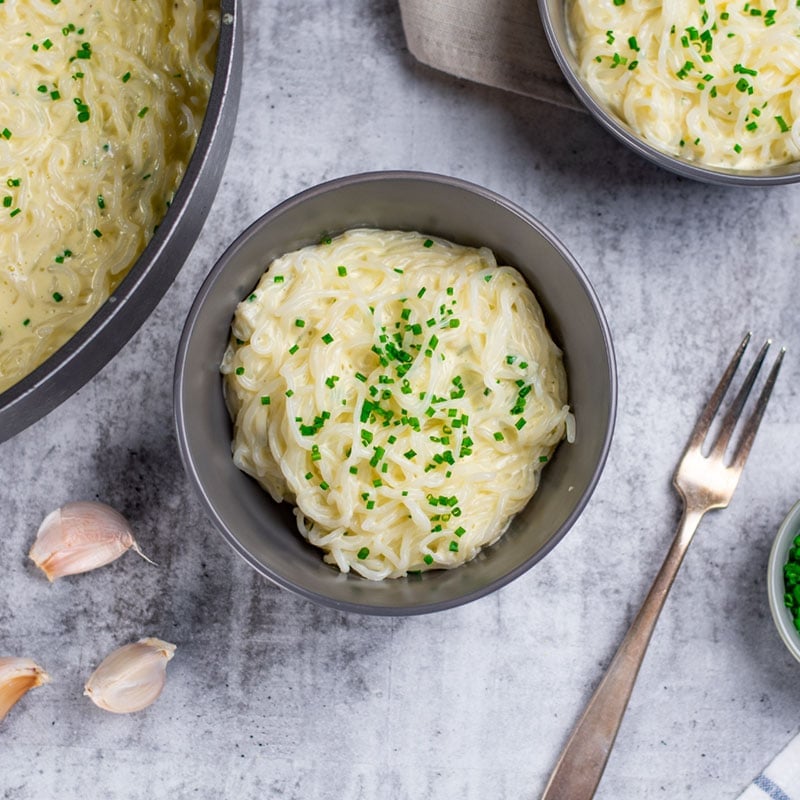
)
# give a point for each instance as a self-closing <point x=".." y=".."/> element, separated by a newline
<point x="497" y="42"/>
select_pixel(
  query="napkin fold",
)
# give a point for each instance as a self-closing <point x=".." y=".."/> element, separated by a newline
<point x="780" y="779"/>
<point x="499" y="43"/>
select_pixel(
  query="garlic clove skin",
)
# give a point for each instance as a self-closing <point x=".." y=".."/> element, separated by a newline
<point x="17" y="676"/>
<point x="132" y="677"/>
<point x="79" y="537"/>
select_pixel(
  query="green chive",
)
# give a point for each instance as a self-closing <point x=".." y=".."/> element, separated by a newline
<point x="265" y="401"/>
<point x="58" y="297"/>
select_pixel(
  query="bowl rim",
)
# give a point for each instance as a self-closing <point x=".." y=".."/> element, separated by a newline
<point x="788" y="529"/>
<point x="119" y="317"/>
<point x="693" y="170"/>
<point x="207" y="288"/>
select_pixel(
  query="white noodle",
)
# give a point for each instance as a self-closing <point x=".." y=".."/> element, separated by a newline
<point x="403" y="392"/>
<point x="712" y="82"/>
<point x="101" y="102"/>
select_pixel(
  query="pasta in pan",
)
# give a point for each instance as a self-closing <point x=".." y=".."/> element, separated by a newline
<point x="402" y="391"/>
<point x="712" y="81"/>
<point x="101" y="102"/>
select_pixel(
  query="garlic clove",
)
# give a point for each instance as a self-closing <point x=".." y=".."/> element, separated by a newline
<point x="79" y="537"/>
<point x="17" y="675"/>
<point x="132" y="677"/>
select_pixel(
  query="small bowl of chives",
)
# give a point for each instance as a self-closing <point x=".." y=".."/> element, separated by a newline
<point x="783" y="581"/>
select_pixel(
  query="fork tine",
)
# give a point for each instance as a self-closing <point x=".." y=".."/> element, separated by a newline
<point x="732" y="415"/>
<point x="749" y="433"/>
<point x="709" y="412"/>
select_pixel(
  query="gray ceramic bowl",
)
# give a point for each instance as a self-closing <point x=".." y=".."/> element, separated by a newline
<point x="778" y="556"/>
<point x="263" y="532"/>
<point x="553" y="14"/>
<point x="152" y="274"/>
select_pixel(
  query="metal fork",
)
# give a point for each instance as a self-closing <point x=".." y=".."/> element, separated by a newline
<point x="703" y="482"/>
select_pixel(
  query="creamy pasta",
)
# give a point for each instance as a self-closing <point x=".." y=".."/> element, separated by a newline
<point x="712" y="81"/>
<point x="100" y="106"/>
<point x="402" y="391"/>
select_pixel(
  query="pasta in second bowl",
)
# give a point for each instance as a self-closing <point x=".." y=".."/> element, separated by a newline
<point x="263" y="531"/>
<point x="708" y="90"/>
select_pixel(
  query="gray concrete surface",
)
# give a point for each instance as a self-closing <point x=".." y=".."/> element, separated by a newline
<point x="270" y="696"/>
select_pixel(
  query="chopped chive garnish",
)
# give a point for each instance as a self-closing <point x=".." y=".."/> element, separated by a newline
<point x="342" y="271"/>
<point x="428" y="558"/>
<point x="428" y="243"/>
<point x="58" y="297"/>
<point x="327" y="338"/>
<point x="300" y="323"/>
<point x="782" y="124"/>
<point x="265" y="401"/>
<point x="142" y="112"/>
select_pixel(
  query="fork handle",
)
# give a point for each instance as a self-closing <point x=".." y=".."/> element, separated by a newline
<point x="583" y="759"/>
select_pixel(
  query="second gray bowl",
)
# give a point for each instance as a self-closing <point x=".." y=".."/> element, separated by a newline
<point x="263" y="532"/>
<point x="556" y="27"/>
